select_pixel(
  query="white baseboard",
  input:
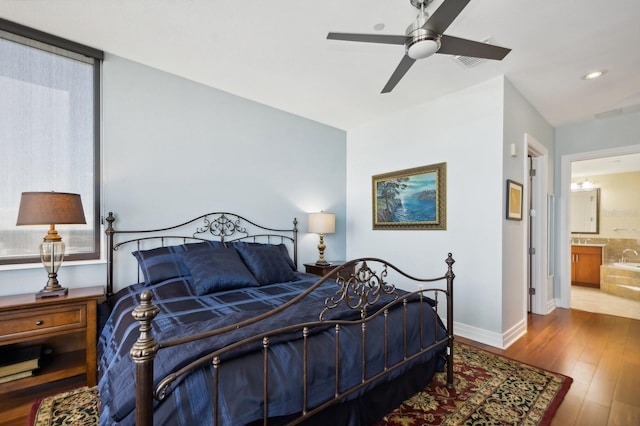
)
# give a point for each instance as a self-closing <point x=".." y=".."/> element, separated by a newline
<point x="514" y="333"/>
<point x="478" y="334"/>
<point x="497" y="340"/>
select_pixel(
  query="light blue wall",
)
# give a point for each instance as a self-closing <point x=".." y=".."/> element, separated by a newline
<point x="520" y="117"/>
<point x="597" y="134"/>
<point x="174" y="149"/>
<point x="464" y="130"/>
<point x="471" y="131"/>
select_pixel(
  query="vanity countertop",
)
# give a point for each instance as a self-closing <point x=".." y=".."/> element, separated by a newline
<point x="588" y="245"/>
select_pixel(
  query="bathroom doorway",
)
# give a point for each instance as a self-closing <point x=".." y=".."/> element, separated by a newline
<point x="613" y="172"/>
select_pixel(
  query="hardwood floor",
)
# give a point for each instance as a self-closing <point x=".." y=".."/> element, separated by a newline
<point x="600" y="352"/>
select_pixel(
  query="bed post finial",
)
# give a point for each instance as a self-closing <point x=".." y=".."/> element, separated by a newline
<point x="143" y="353"/>
<point x="110" y="219"/>
<point x="450" y="261"/>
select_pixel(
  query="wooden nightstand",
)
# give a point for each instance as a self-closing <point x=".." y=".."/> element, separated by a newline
<point x="322" y="270"/>
<point x="65" y="324"/>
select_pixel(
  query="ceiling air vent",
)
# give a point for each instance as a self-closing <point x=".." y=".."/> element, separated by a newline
<point x="468" y="61"/>
<point x="609" y="113"/>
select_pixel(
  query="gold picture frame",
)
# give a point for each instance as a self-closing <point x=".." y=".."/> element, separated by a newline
<point x="514" y="200"/>
<point x="412" y="199"/>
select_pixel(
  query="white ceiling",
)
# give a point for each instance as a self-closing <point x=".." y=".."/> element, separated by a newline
<point x="276" y="52"/>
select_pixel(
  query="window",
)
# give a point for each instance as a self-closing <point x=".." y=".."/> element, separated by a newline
<point x="50" y="136"/>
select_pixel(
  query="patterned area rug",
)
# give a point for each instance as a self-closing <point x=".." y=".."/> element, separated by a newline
<point x="78" y="407"/>
<point x="489" y="390"/>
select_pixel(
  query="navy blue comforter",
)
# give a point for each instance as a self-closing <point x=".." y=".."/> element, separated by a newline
<point x="241" y="376"/>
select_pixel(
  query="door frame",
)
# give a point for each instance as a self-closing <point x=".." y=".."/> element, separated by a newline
<point x="540" y="279"/>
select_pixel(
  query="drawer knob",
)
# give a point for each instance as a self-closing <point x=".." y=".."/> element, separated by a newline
<point x="39" y="322"/>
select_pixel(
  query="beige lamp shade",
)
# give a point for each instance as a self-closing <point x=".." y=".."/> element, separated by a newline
<point x="50" y="208"/>
<point x="322" y="223"/>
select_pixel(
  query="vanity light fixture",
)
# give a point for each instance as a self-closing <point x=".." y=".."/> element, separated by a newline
<point x="583" y="184"/>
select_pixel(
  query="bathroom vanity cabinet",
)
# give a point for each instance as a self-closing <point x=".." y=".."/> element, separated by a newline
<point x="585" y="265"/>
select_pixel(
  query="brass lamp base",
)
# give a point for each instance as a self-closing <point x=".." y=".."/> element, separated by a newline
<point x="61" y="291"/>
<point x="321" y="261"/>
<point x="52" y="289"/>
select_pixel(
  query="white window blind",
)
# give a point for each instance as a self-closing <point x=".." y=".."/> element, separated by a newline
<point x="49" y="137"/>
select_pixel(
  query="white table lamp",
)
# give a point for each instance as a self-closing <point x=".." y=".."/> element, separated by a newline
<point x="322" y="223"/>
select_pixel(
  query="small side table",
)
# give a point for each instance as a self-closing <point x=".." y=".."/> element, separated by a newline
<point x="66" y="324"/>
<point x="322" y="270"/>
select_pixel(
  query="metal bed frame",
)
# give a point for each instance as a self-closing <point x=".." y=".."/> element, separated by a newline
<point x="359" y="291"/>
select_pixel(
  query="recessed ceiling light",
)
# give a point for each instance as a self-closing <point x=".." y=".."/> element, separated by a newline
<point x="379" y="26"/>
<point x="594" y="74"/>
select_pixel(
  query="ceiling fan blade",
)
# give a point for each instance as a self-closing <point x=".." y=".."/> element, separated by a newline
<point x="400" y="71"/>
<point x="368" y="38"/>
<point x="460" y="46"/>
<point x="444" y="15"/>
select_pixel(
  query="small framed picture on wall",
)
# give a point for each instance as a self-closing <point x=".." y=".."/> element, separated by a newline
<point x="514" y="200"/>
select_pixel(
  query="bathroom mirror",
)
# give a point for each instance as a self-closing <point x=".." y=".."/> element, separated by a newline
<point x="585" y="206"/>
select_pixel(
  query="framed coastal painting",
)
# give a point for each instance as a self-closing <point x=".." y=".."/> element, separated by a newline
<point x="411" y="199"/>
<point x="514" y="200"/>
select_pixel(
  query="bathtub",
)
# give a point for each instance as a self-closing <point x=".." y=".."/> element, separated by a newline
<point x="631" y="266"/>
<point x="621" y="279"/>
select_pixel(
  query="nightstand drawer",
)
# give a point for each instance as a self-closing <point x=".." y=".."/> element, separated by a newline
<point x="31" y="322"/>
<point x="322" y="270"/>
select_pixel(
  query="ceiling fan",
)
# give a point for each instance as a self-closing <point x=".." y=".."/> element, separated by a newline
<point x="424" y="37"/>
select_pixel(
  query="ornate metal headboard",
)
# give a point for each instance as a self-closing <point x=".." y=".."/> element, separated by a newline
<point x="215" y="226"/>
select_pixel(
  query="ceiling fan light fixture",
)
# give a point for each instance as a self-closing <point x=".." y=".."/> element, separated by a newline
<point x="423" y="48"/>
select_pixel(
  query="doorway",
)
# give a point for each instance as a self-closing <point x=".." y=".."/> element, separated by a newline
<point x="537" y="276"/>
<point x="603" y="303"/>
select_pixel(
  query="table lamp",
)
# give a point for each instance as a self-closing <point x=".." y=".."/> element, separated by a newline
<point x="322" y="223"/>
<point x="51" y="208"/>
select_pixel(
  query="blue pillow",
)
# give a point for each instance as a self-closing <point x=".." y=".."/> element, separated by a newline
<point x="164" y="263"/>
<point x="217" y="269"/>
<point x="281" y="247"/>
<point x="266" y="263"/>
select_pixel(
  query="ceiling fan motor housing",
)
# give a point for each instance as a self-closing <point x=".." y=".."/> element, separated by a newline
<point x="422" y="42"/>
